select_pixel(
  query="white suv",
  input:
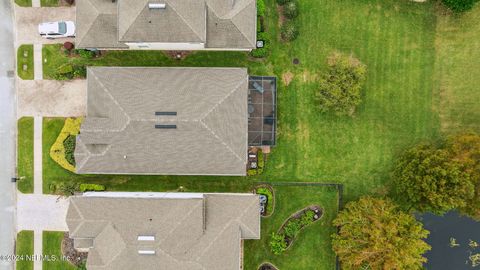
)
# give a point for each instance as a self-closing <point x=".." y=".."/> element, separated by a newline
<point x="61" y="29"/>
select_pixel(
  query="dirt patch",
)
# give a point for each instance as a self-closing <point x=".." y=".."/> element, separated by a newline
<point x="307" y="76"/>
<point x="287" y="77"/>
<point x="74" y="257"/>
<point x="180" y="55"/>
<point x="281" y="17"/>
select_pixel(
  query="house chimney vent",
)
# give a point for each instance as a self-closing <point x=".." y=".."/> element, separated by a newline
<point x="157" y="5"/>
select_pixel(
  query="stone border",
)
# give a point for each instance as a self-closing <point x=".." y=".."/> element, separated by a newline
<point x="268" y="264"/>
<point x="270" y="187"/>
<point x="310" y="207"/>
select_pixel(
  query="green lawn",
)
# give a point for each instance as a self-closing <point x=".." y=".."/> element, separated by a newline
<point x="312" y="248"/>
<point x="24" y="3"/>
<point x="49" y="3"/>
<point x="25" y="49"/>
<point x="23" y="247"/>
<point x="25" y="154"/>
<point x="52" y="244"/>
<point x="458" y="70"/>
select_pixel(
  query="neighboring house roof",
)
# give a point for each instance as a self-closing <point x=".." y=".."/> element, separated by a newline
<point x="119" y="134"/>
<point x="198" y="231"/>
<point x="216" y="23"/>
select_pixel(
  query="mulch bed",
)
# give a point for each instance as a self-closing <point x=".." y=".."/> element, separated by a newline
<point x="315" y="208"/>
<point x="267" y="266"/>
<point x="74" y="257"/>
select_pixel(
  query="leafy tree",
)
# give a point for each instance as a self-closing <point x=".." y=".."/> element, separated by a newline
<point x="427" y="179"/>
<point x="289" y="31"/>
<point x="459" y="5"/>
<point x="290" y="9"/>
<point x="339" y="88"/>
<point x="375" y="234"/>
<point x="465" y="149"/>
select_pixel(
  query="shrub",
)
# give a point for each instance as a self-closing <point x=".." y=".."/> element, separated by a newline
<point x="260" y="161"/>
<point x="262" y="52"/>
<point x="91" y="187"/>
<point x="459" y="5"/>
<point x="251" y="172"/>
<point x="85" y="53"/>
<point x="292" y="227"/>
<point x="289" y="31"/>
<point x="69" y="145"/>
<point x="79" y="71"/>
<point x="260" y="8"/>
<point x="57" y="151"/>
<point x="278" y="244"/>
<point x="290" y="10"/>
<point x="307" y="218"/>
<point x="66" y="189"/>
<point x="339" y="88"/>
<point x="282" y="2"/>
<point x="267" y="192"/>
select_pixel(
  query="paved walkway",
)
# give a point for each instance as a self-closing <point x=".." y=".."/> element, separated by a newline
<point x="37" y="62"/>
<point x="51" y="98"/>
<point x="37" y="155"/>
<point x="37" y="248"/>
<point x="35" y="3"/>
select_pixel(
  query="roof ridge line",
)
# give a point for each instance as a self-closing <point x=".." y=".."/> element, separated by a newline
<point x="243" y="214"/>
<point x="234" y="24"/>
<point x="224" y="143"/>
<point x="96" y="18"/>
<point x="88" y="154"/>
<point x="185" y="21"/>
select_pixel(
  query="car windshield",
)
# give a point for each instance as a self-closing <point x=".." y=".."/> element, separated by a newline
<point x="62" y="28"/>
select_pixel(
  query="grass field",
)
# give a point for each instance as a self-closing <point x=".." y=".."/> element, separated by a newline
<point x="24" y="3"/>
<point x="24" y="246"/>
<point x="25" y="154"/>
<point x="458" y="71"/>
<point x="52" y="244"/>
<point x="22" y="60"/>
<point x="312" y="248"/>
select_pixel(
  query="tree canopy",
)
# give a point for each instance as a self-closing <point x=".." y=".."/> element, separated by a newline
<point x="428" y="179"/>
<point x="459" y="5"/>
<point x="340" y="87"/>
<point x="375" y="234"/>
<point x="465" y="149"/>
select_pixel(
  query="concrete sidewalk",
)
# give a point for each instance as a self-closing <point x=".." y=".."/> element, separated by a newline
<point x="37" y="62"/>
<point x="37" y="155"/>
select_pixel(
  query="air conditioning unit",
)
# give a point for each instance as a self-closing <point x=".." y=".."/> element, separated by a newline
<point x="157" y="5"/>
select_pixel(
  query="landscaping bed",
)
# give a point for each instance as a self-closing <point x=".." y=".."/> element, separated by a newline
<point x="266" y="190"/>
<point x="74" y="256"/>
<point x="267" y="266"/>
<point x="284" y="238"/>
<point x="52" y="245"/>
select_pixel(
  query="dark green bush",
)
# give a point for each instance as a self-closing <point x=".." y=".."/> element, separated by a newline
<point x="91" y="187"/>
<point x="282" y="2"/>
<point x="84" y="53"/>
<point x="69" y="144"/>
<point x="79" y="71"/>
<point x="289" y="31"/>
<point x="290" y="10"/>
<point x="292" y="227"/>
<point x="261" y="8"/>
<point x="278" y="244"/>
<point x="262" y="52"/>
<point x="459" y="5"/>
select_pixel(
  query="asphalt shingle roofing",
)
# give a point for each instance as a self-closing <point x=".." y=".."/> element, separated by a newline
<point x="215" y="23"/>
<point x="119" y="134"/>
<point x="201" y="232"/>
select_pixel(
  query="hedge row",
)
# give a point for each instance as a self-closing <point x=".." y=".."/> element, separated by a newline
<point x="58" y="152"/>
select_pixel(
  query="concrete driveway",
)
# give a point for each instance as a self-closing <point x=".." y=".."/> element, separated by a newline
<point x="27" y="20"/>
<point x="51" y="98"/>
<point x="41" y="212"/>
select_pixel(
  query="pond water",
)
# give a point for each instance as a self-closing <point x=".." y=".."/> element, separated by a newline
<point x="454" y="239"/>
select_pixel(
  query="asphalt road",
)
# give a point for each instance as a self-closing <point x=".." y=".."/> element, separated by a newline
<point x="7" y="134"/>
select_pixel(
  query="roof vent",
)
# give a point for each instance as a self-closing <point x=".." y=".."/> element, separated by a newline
<point x="166" y="126"/>
<point x="146" y="252"/>
<point x="157" y="5"/>
<point x="146" y="238"/>
<point x="165" y="113"/>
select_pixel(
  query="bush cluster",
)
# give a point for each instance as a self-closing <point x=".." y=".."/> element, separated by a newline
<point x="261" y="35"/>
<point x="260" y="164"/>
<point x="278" y="244"/>
<point x="289" y="30"/>
<point x="58" y="151"/>
<point x="69" y="145"/>
<point x="87" y="54"/>
<point x="68" y="72"/>
<point x="459" y="5"/>
<point x="91" y="187"/>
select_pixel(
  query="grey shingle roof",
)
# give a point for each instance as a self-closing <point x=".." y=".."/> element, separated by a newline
<point x="216" y="23"/>
<point x="190" y="233"/>
<point x="118" y="136"/>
